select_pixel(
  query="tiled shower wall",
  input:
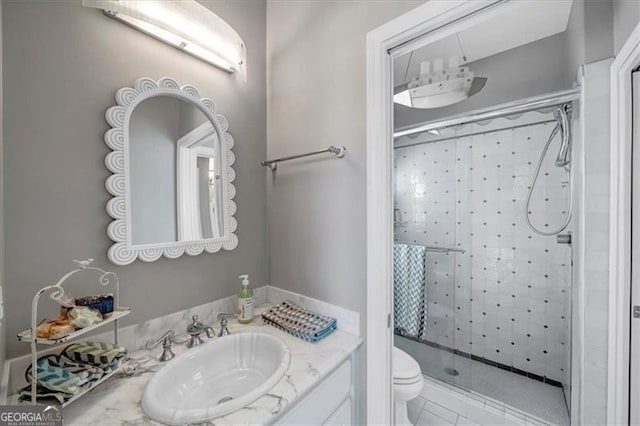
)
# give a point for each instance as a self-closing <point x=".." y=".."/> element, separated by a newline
<point x="506" y="298"/>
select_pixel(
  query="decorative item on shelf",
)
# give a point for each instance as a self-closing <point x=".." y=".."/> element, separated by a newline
<point x="56" y="328"/>
<point x="80" y="362"/>
<point x="103" y="303"/>
<point x="83" y="316"/>
<point x="397" y="219"/>
<point x="185" y="25"/>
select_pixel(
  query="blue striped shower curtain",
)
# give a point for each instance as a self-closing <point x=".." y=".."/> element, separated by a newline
<point x="409" y="290"/>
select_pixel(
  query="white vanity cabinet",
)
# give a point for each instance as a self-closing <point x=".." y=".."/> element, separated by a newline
<point x="329" y="403"/>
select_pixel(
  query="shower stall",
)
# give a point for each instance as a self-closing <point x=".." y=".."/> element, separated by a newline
<point x="482" y="254"/>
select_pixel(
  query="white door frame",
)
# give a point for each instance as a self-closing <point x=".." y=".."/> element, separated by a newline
<point x="395" y="35"/>
<point x="620" y="230"/>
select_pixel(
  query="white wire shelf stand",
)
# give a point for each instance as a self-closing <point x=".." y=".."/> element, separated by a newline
<point x="56" y="292"/>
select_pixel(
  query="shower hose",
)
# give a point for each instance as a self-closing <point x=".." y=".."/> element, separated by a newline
<point x="561" y="126"/>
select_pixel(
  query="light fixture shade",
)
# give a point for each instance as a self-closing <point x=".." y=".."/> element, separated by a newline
<point x="185" y="24"/>
<point x="440" y="87"/>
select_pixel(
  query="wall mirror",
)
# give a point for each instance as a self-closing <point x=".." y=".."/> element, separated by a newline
<point x="172" y="175"/>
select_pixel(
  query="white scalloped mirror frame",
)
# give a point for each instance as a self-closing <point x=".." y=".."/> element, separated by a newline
<point x="123" y="251"/>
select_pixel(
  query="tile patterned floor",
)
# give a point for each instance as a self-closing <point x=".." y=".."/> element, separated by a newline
<point x="492" y="385"/>
<point x="422" y="412"/>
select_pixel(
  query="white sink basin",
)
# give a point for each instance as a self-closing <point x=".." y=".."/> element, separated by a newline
<point x="216" y="378"/>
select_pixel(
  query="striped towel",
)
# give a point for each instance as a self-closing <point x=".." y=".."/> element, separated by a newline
<point x="409" y="290"/>
<point x="60" y="374"/>
<point x="299" y="322"/>
<point x="60" y="377"/>
<point x="105" y="355"/>
<point x="44" y="395"/>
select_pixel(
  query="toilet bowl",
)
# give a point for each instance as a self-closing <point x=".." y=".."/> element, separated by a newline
<point x="407" y="384"/>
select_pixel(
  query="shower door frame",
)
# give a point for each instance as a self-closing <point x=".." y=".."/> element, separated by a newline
<point x="416" y="28"/>
<point x="621" y="256"/>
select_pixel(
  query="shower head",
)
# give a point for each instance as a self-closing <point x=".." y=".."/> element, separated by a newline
<point x="564" y="154"/>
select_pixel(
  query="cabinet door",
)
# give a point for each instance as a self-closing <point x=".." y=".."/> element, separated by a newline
<point x="342" y="416"/>
<point x="323" y="401"/>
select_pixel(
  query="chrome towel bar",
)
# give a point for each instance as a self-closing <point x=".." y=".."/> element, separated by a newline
<point x="439" y="249"/>
<point x="339" y="151"/>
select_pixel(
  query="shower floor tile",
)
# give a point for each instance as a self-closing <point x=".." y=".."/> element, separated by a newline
<point x="516" y="391"/>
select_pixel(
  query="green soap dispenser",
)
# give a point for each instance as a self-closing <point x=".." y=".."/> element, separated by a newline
<point x="245" y="301"/>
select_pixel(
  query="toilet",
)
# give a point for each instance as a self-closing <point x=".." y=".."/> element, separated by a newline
<point x="407" y="384"/>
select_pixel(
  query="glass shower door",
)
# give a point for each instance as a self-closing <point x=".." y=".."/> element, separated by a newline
<point x="427" y="185"/>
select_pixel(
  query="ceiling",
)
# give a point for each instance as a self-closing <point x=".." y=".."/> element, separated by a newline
<point x="525" y="21"/>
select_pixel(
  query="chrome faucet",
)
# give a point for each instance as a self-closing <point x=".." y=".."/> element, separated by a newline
<point x="223" y="317"/>
<point x="166" y="339"/>
<point x="195" y="329"/>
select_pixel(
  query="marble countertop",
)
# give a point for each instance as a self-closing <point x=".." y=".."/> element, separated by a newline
<point x="117" y="401"/>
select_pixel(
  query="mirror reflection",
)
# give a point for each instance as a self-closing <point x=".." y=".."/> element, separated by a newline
<point x="175" y="180"/>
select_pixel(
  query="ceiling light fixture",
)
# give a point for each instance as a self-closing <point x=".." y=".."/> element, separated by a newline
<point x="186" y="25"/>
<point x="440" y="87"/>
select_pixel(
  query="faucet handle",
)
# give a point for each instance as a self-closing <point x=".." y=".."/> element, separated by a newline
<point x="166" y="339"/>
<point x="223" y="317"/>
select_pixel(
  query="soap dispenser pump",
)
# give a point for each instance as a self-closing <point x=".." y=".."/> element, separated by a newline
<point x="245" y="301"/>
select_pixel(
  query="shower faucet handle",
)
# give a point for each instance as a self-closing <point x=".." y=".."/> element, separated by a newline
<point x="564" y="238"/>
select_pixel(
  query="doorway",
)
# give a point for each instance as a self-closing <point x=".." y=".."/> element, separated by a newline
<point x="624" y="262"/>
<point x="425" y="25"/>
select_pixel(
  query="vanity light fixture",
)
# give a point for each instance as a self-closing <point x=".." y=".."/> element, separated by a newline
<point x="186" y="25"/>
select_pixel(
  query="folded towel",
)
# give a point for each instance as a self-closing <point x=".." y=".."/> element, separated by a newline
<point x="299" y="322"/>
<point x="60" y="377"/>
<point x="61" y="374"/>
<point x="101" y="354"/>
<point x="46" y="396"/>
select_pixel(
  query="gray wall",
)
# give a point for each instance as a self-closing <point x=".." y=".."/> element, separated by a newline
<point x="317" y="97"/>
<point x="203" y="197"/>
<point x="575" y="36"/>
<point x="153" y="131"/>
<point x="599" y="35"/>
<point x="626" y="15"/>
<point x="62" y="66"/>
<point x="190" y="118"/>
